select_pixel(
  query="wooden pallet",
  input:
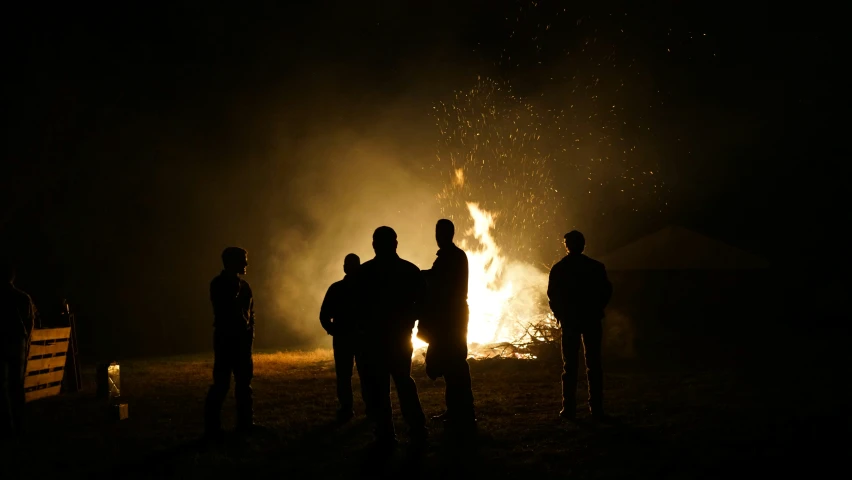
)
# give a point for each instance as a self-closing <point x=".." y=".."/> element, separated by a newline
<point x="46" y="362"/>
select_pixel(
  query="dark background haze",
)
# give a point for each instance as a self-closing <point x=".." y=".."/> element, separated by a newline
<point x="142" y="139"/>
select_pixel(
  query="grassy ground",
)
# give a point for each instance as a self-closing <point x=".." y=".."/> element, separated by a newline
<point x="720" y="412"/>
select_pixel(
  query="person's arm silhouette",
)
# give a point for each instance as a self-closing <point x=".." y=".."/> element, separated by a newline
<point x="327" y="310"/>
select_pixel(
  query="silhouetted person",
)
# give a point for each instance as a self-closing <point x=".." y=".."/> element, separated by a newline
<point x="338" y="316"/>
<point x="444" y="326"/>
<point x="17" y="317"/>
<point x="233" y="336"/>
<point x="579" y="290"/>
<point x="388" y="287"/>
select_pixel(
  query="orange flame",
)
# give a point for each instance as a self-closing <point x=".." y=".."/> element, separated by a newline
<point x="501" y="293"/>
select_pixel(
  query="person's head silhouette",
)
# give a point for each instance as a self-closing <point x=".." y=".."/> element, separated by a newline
<point x="351" y="263"/>
<point x="575" y="242"/>
<point x="444" y="232"/>
<point x="384" y="241"/>
<point x="235" y="260"/>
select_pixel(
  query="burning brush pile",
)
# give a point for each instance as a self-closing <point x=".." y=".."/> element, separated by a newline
<point x="495" y="164"/>
<point x="509" y="312"/>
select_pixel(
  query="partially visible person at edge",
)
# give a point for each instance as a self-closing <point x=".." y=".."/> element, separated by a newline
<point x="579" y="291"/>
<point x="17" y="319"/>
<point x="444" y="327"/>
<point x="233" y="336"/>
<point x="338" y="318"/>
<point x="387" y="291"/>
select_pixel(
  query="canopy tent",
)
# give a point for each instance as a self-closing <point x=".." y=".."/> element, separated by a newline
<point x="677" y="248"/>
<point x="681" y="287"/>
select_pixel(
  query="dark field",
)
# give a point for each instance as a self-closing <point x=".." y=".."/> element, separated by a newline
<point x="728" y="409"/>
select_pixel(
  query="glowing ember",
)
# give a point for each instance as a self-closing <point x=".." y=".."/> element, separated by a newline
<point x="504" y="297"/>
<point x="490" y="152"/>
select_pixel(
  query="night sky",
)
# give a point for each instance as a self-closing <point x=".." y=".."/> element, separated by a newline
<point x="142" y="140"/>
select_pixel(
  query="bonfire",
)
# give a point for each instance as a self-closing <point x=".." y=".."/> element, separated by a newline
<point x="509" y="313"/>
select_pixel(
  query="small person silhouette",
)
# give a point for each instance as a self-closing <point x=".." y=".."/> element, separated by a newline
<point x="338" y="316"/>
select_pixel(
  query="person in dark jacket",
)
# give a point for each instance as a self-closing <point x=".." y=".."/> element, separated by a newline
<point x="387" y="288"/>
<point x="338" y="316"/>
<point x="17" y="319"/>
<point x="579" y="290"/>
<point x="233" y="336"/>
<point x="444" y="326"/>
